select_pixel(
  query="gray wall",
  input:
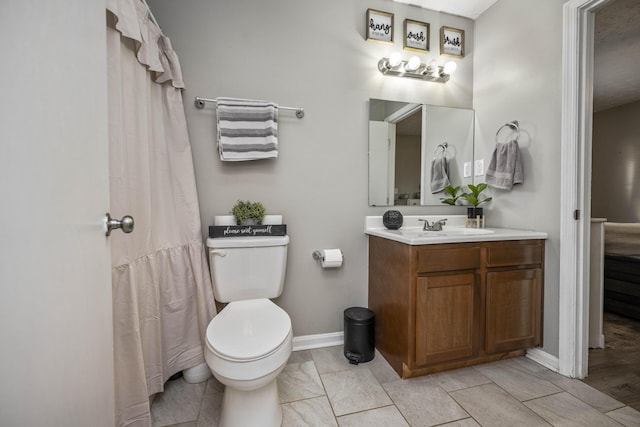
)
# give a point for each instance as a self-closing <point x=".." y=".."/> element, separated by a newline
<point x="517" y="76"/>
<point x="313" y="55"/>
<point x="615" y="191"/>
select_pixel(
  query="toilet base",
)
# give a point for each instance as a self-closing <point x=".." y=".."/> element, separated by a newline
<point x="197" y="374"/>
<point x="249" y="408"/>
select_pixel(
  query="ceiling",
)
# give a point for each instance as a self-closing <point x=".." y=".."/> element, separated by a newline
<point x="617" y="55"/>
<point x="616" y="46"/>
<point x="467" y="8"/>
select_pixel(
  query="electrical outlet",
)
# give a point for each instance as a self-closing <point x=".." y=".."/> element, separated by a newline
<point x="467" y="169"/>
<point x="479" y="167"/>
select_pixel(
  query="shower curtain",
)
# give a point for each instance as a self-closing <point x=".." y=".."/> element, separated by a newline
<point x="162" y="296"/>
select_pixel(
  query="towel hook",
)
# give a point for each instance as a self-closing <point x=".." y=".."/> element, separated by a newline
<point x="513" y="125"/>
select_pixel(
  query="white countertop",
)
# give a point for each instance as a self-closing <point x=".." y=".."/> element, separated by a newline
<point x="454" y="231"/>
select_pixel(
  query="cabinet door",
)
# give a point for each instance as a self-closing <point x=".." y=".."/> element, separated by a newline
<point x="446" y="312"/>
<point x="514" y="309"/>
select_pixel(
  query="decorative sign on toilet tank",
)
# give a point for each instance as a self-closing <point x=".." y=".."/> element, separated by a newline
<point x="247" y="230"/>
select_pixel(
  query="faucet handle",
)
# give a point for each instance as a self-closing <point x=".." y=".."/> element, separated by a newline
<point x="437" y="225"/>
<point x="426" y="224"/>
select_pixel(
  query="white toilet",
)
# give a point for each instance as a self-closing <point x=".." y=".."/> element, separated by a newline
<point x="249" y="341"/>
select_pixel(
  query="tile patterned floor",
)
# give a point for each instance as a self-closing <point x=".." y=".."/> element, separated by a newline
<point x="320" y="388"/>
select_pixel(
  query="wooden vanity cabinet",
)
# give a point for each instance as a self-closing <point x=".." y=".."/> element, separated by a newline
<point x="447" y="298"/>
<point x="446" y="306"/>
<point x="514" y="295"/>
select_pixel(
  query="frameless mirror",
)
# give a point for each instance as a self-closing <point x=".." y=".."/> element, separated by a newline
<point x="407" y="144"/>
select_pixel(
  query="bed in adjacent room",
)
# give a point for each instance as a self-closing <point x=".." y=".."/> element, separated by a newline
<point x="622" y="269"/>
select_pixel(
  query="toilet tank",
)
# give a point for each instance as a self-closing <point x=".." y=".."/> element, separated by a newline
<point x="247" y="267"/>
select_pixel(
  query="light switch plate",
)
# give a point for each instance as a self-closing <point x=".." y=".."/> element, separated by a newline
<point x="467" y="169"/>
<point x="479" y="167"/>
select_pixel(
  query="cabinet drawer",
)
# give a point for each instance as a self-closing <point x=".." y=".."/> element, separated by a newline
<point x="451" y="259"/>
<point x="529" y="253"/>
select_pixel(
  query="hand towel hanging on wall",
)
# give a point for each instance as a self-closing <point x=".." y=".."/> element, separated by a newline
<point x="247" y="129"/>
<point x="439" y="174"/>
<point x="505" y="167"/>
<point x="439" y="169"/>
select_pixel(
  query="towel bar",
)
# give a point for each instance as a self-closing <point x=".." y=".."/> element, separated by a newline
<point x="201" y="102"/>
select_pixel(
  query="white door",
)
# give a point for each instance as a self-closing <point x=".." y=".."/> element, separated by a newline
<point x="56" y="341"/>
<point x="381" y="163"/>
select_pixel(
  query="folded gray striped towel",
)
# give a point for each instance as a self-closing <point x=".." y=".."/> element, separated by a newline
<point x="247" y="129"/>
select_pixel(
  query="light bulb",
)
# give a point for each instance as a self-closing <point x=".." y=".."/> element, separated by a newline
<point x="450" y="67"/>
<point x="395" y="59"/>
<point x="414" y="63"/>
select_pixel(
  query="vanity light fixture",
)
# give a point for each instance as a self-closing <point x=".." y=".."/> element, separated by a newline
<point x="414" y="68"/>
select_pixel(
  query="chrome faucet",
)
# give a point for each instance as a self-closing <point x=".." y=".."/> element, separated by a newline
<point x="436" y="226"/>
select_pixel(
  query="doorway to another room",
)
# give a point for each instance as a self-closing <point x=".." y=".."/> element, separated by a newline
<point x="614" y="354"/>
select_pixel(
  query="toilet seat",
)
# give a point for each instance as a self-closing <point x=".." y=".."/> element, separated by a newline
<point x="248" y="330"/>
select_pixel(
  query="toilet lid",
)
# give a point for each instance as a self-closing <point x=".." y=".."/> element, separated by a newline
<point x="246" y="330"/>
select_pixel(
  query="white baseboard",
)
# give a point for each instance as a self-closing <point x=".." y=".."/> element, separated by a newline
<point x="545" y="359"/>
<point x="597" y="342"/>
<point x="307" y="342"/>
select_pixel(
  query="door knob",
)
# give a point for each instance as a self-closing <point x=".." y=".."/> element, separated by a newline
<point x="125" y="224"/>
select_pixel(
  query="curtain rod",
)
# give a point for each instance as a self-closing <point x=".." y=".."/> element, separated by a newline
<point x="200" y="103"/>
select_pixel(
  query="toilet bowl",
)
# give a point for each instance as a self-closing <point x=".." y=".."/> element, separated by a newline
<point x="247" y="345"/>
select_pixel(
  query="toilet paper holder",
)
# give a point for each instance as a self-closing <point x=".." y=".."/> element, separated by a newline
<point x="319" y="256"/>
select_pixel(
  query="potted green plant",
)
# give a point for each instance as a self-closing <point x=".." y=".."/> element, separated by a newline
<point x="475" y="197"/>
<point x="248" y="213"/>
<point x="452" y="192"/>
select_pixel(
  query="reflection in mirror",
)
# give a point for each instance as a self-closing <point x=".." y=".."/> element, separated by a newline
<point x="404" y="140"/>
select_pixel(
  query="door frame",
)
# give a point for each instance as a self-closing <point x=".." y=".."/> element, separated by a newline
<point x="577" y="113"/>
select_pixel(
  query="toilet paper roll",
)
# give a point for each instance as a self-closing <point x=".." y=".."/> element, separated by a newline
<point x="331" y="258"/>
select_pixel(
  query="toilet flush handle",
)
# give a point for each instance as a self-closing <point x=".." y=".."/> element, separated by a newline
<point x="218" y="252"/>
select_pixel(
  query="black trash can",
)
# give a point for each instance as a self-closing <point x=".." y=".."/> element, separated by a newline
<point x="359" y="338"/>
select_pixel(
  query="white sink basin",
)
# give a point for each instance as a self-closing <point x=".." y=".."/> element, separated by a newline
<point x="453" y="231"/>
